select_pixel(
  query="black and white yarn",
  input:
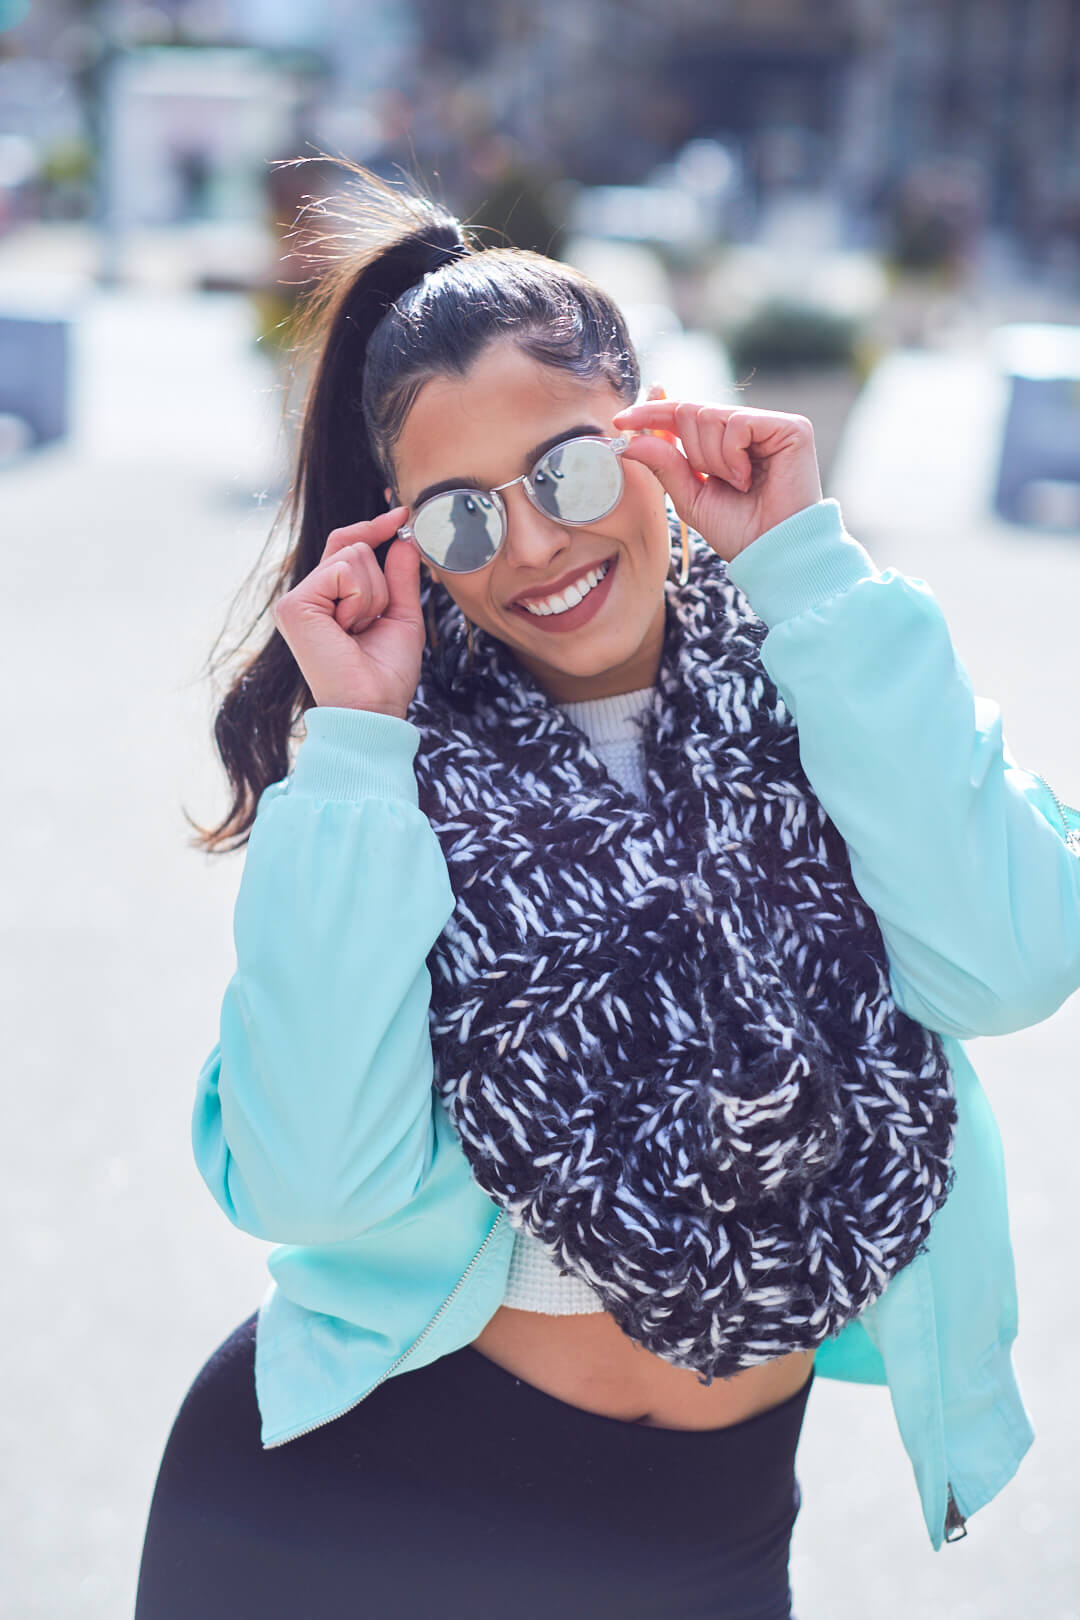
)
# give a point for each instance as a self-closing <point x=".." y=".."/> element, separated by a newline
<point x="664" y="1032"/>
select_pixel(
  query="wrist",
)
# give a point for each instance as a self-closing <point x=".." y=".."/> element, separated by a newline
<point x="373" y="708"/>
<point x="800" y="563"/>
<point x="329" y="702"/>
<point x="350" y="753"/>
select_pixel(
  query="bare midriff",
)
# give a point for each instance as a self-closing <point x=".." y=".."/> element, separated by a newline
<point x="588" y="1361"/>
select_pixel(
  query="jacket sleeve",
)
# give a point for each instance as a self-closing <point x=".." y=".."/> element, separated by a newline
<point x="313" y="1114"/>
<point x="960" y="853"/>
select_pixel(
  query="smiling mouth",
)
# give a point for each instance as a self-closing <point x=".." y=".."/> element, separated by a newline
<point x="565" y="601"/>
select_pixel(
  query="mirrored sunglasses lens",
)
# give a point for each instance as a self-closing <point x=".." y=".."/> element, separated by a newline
<point x="578" y="482"/>
<point x="460" y="530"/>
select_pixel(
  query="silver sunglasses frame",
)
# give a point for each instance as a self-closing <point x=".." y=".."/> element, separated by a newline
<point x="618" y="445"/>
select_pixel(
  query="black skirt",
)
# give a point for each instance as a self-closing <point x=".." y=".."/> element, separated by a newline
<point x="458" y="1490"/>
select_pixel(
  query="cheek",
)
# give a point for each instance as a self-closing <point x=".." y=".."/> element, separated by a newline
<point x="646" y="515"/>
<point x="643" y="494"/>
<point x="472" y="599"/>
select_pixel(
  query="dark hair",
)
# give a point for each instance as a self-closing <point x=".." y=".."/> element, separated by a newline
<point x="401" y="295"/>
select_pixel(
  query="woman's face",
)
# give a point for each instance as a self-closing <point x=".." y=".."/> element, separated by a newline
<point x="483" y="429"/>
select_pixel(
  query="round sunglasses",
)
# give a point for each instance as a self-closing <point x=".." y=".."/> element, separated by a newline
<point x="579" y="481"/>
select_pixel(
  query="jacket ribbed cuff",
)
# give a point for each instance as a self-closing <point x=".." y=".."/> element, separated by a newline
<point x="356" y="754"/>
<point x="800" y="563"/>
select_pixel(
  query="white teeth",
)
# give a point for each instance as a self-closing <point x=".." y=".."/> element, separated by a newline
<point x="572" y="595"/>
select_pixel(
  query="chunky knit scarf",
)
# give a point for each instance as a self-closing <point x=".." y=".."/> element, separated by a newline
<point x="664" y="1032"/>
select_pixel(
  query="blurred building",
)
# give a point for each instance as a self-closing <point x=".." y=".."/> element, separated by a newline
<point x="855" y="95"/>
<point x="908" y="111"/>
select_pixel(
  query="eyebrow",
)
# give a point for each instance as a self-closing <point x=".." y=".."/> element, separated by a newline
<point x="582" y="430"/>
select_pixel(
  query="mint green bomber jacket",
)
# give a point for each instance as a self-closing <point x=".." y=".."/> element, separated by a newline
<point x="316" y="1125"/>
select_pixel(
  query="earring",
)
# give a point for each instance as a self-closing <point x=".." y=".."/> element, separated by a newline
<point x="684" y="571"/>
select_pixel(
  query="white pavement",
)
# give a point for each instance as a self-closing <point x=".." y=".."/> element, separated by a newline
<point x="122" y="553"/>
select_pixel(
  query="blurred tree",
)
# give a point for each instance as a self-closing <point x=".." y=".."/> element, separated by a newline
<point x="67" y="174"/>
<point x="514" y="198"/>
<point x="781" y="335"/>
<point x="934" y="216"/>
<point x="288" y="188"/>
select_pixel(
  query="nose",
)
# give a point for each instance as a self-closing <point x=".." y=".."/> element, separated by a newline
<point x="532" y="537"/>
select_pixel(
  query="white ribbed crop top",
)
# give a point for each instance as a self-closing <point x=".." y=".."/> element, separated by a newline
<point x="612" y="726"/>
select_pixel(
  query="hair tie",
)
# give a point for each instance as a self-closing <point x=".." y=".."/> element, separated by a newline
<point x="445" y="256"/>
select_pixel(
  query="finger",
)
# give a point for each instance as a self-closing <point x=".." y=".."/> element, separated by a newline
<point x="401" y="566"/>
<point x="648" y="413"/>
<point x="672" y="469"/>
<point x="656" y="391"/>
<point x="361" y="590"/>
<point x="738" y="435"/>
<point x="688" y="428"/>
<point x="373" y="531"/>
<point x="724" y="450"/>
<point x="660" y="413"/>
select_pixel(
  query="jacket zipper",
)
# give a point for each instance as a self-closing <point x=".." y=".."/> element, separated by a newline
<point x="954" y="1519"/>
<point x="955" y="1523"/>
<point x="1072" y="836"/>
<point x="333" y="1416"/>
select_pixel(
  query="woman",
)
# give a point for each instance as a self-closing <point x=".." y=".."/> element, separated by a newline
<point x="590" y="1066"/>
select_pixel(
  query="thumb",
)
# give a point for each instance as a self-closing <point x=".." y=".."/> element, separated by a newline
<point x="670" y="466"/>
<point x="401" y="570"/>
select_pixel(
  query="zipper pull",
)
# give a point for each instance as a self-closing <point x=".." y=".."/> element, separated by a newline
<point x="1072" y="835"/>
<point x="954" y="1519"/>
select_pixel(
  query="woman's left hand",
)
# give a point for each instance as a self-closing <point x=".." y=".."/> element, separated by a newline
<point x="743" y="472"/>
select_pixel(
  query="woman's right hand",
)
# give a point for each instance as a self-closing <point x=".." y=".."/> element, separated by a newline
<point x="356" y="631"/>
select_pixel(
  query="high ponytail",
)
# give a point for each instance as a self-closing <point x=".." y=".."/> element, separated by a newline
<point x="400" y="295"/>
<point x="339" y="477"/>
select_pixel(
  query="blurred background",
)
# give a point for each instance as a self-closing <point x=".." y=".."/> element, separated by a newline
<point x="867" y="211"/>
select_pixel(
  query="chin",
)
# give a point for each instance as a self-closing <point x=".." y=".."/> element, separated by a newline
<point x="595" y="657"/>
